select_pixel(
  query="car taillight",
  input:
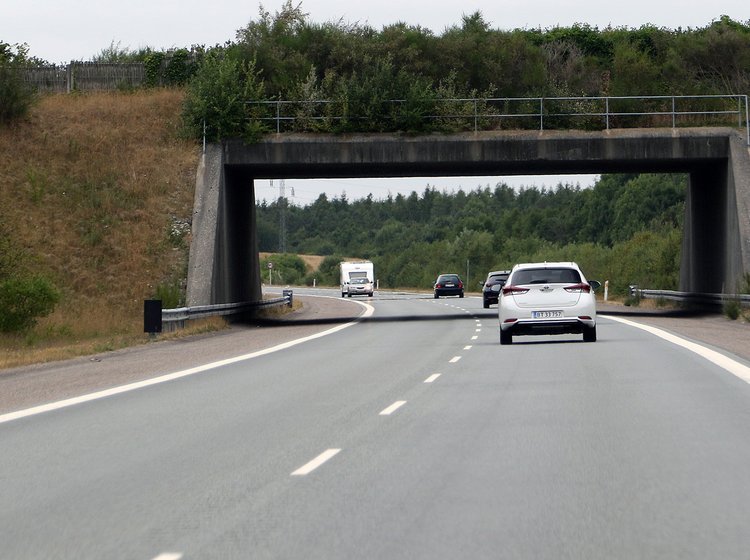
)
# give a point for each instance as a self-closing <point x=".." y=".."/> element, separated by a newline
<point x="578" y="288"/>
<point x="514" y="290"/>
<point x="460" y="284"/>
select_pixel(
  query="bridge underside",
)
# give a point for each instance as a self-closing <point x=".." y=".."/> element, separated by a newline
<point x="224" y="264"/>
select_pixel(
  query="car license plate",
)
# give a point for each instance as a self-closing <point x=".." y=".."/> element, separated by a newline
<point x="547" y="315"/>
<point x="449" y="284"/>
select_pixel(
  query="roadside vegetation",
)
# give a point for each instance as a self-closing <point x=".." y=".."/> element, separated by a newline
<point x="96" y="202"/>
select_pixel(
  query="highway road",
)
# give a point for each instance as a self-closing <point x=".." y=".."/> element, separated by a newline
<point x="411" y="434"/>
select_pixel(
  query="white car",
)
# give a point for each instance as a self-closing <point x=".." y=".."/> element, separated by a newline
<point x="547" y="298"/>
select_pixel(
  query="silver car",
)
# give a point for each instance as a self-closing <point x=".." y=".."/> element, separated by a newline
<point x="547" y="298"/>
<point x="360" y="286"/>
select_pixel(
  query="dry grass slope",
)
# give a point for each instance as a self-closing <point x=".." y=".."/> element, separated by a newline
<point x="98" y="189"/>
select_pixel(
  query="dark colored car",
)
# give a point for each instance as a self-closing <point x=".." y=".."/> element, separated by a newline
<point x="489" y="296"/>
<point x="449" y="285"/>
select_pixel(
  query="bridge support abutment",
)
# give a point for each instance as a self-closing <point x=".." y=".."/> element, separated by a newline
<point x="223" y="265"/>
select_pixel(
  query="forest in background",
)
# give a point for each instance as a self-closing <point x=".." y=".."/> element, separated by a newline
<point x="626" y="229"/>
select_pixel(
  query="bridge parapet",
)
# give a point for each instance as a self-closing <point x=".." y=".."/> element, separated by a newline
<point x="507" y="113"/>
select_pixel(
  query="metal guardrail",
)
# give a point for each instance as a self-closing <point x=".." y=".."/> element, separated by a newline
<point x="702" y="299"/>
<point x="176" y="317"/>
<point x="520" y="112"/>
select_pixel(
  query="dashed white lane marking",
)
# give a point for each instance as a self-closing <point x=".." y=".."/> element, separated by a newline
<point x="315" y="463"/>
<point x="10" y="416"/>
<point x="467" y="347"/>
<point x="477" y="330"/>
<point x="732" y="366"/>
<point x="393" y="408"/>
<point x="432" y="378"/>
<point x="474" y="337"/>
<point x="169" y="556"/>
<point x="454" y="359"/>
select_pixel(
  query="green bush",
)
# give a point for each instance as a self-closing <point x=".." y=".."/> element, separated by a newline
<point x="171" y="295"/>
<point x="732" y="309"/>
<point x="23" y="301"/>
<point x="152" y="65"/>
<point x="219" y="99"/>
<point x="179" y="68"/>
<point x="16" y="97"/>
<point x="287" y="269"/>
<point x="328" y="271"/>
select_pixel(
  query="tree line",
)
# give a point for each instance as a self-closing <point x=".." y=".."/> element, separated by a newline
<point x="626" y="229"/>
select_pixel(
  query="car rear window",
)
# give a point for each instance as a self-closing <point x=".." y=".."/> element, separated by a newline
<point x="546" y="276"/>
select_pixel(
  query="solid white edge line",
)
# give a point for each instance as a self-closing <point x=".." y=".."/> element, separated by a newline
<point x="307" y="468"/>
<point x="732" y="366"/>
<point x="10" y="416"/>
<point x="432" y="378"/>
<point x="393" y="408"/>
<point x="169" y="556"/>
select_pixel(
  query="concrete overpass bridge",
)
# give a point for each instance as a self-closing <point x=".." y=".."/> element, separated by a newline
<point x="224" y="263"/>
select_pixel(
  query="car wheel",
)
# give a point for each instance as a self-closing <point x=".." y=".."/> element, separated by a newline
<point x="506" y="337"/>
<point x="437" y="296"/>
<point x="589" y="334"/>
<point x="461" y="294"/>
<point x="486" y="304"/>
<point x="369" y="295"/>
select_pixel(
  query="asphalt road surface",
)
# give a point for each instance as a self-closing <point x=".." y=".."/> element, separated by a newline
<point x="411" y="434"/>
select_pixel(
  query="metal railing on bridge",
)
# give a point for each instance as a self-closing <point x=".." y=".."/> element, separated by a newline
<point x="506" y="113"/>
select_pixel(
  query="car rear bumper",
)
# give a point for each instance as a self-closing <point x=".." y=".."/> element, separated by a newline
<point x="557" y="326"/>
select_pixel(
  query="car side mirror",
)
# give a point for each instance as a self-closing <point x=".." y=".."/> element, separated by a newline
<point x="595" y="284"/>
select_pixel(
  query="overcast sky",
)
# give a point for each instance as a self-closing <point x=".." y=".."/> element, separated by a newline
<point x="63" y="30"/>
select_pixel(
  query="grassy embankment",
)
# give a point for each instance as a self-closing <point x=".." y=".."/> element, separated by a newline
<point x="97" y="191"/>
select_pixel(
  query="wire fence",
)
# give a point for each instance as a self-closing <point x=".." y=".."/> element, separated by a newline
<point x="511" y="113"/>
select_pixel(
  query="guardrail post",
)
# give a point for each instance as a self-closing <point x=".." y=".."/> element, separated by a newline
<point x="289" y="295"/>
